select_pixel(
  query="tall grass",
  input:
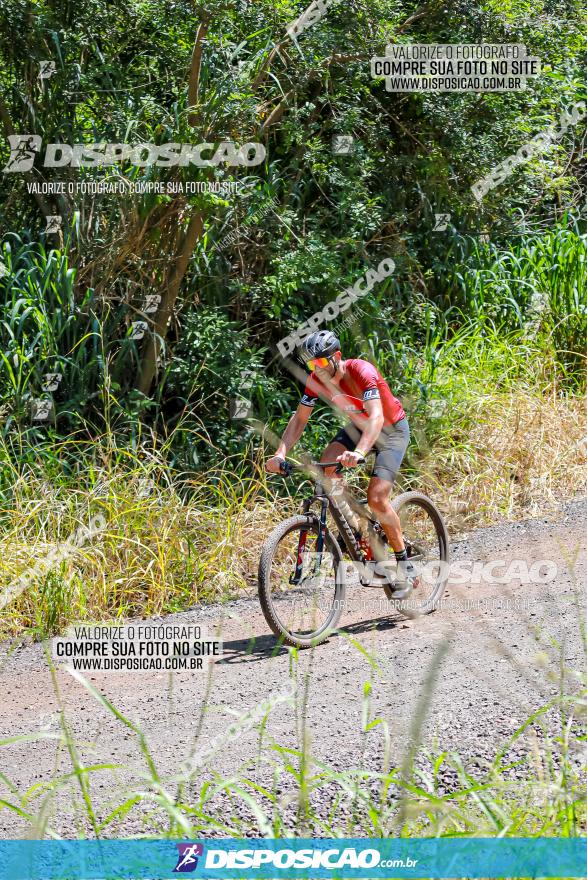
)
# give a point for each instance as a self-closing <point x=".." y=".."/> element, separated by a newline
<point x="495" y="398"/>
<point x="496" y="437"/>
<point x="171" y="540"/>
<point x="48" y="325"/>
<point x="540" y="286"/>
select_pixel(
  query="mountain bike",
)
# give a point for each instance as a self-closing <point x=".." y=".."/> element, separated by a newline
<point x="302" y="572"/>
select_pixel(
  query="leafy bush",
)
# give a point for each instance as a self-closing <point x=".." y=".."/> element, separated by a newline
<point x="540" y="286"/>
<point x="47" y="326"/>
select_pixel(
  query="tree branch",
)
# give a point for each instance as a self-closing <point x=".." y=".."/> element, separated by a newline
<point x="278" y="111"/>
<point x="419" y="13"/>
<point x="195" y="70"/>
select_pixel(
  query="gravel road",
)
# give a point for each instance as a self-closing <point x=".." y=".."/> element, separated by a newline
<point x="495" y="664"/>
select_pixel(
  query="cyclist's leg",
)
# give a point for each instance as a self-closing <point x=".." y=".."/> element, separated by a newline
<point x="341" y="443"/>
<point x="391" y="448"/>
<point x="392" y="445"/>
<point x="379" y="499"/>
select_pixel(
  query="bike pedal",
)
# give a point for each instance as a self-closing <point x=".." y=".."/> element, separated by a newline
<point x="401" y="591"/>
<point x="374" y="583"/>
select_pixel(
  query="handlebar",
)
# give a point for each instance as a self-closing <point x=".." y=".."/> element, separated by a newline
<point x="287" y="467"/>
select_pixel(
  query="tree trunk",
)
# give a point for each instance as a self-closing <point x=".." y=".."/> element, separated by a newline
<point x="148" y="367"/>
<point x="194" y="78"/>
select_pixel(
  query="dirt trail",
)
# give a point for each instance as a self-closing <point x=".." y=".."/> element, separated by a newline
<point x="490" y="679"/>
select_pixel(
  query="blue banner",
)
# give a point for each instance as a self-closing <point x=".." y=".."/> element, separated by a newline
<point x="291" y="858"/>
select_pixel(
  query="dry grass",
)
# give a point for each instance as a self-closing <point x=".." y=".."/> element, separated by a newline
<point x="514" y="456"/>
<point x="170" y="544"/>
<point x="166" y="546"/>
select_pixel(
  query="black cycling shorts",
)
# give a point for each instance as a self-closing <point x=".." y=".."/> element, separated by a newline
<point x="390" y="447"/>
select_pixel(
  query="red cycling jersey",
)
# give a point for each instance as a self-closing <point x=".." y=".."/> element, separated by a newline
<point x="361" y="381"/>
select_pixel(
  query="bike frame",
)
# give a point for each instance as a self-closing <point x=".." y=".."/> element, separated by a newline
<point x="352" y="545"/>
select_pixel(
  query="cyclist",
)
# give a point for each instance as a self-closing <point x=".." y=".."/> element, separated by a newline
<point x="377" y="418"/>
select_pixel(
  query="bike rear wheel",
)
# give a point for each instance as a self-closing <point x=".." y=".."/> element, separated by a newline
<point x="427" y="543"/>
<point x="304" y="613"/>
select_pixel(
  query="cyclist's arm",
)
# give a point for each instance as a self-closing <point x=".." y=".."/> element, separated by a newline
<point x="372" y="427"/>
<point x="294" y="430"/>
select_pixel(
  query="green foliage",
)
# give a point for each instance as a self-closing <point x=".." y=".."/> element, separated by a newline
<point x="45" y="328"/>
<point x="305" y="224"/>
<point x="540" y="285"/>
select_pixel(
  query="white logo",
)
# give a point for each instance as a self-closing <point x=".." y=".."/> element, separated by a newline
<point x="96" y="155"/>
<point x="22" y="152"/>
<point x="441" y="222"/>
<point x="310" y="16"/>
<point x="538" y="144"/>
<point x="138" y="329"/>
<point x="53" y="222"/>
<point x="47" y="69"/>
<point x="332" y="859"/>
<point x="152" y="303"/>
<point x="342" y="144"/>
<point x="342" y="302"/>
<point x="51" y="381"/>
<point x="41" y="410"/>
<point x="241" y="409"/>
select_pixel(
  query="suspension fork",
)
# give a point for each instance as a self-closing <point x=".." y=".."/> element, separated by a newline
<point x="297" y="575"/>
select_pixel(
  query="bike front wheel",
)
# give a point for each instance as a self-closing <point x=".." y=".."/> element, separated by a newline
<point x="301" y="593"/>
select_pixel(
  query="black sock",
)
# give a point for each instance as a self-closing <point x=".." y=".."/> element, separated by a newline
<point x="401" y="555"/>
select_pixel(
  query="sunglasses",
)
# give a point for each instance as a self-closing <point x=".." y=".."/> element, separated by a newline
<point x="317" y="364"/>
